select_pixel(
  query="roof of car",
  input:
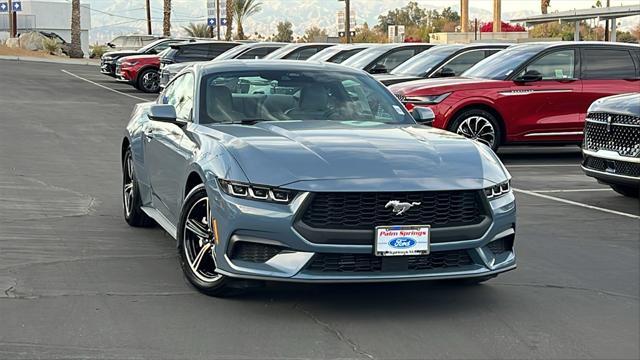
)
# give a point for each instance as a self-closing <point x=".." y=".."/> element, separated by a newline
<point x="195" y="43"/>
<point x="551" y="44"/>
<point x="258" y="64"/>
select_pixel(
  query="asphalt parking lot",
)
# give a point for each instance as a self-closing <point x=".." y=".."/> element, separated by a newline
<point x="78" y="282"/>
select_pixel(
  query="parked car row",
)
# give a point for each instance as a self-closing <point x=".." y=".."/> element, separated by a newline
<point x="494" y="93"/>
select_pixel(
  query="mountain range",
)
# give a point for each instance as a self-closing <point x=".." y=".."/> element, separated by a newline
<point x="110" y="18"/>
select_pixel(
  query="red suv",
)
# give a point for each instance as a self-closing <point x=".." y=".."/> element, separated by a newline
<point x="529" y="93"/>
<point x="141" y="71"/>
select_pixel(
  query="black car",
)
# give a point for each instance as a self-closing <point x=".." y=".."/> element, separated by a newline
<point x="339" y="53"/>
<point x="611" y="147"/>
<point x="196" y="51"/>
<point x="299" y="51"/>
<point x="108" y="60"/>
<point x="440" y="61"/>
<point x="381" y="59"/>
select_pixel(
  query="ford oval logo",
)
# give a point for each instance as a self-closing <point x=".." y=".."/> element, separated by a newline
<point x="402" y="243"/>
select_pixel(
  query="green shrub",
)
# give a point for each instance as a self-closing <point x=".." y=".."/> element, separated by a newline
<point x="97" y="51"/>
<point x="51" y="45"/>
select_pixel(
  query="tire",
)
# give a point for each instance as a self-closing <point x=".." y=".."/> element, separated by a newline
<point x="196" y="259"/>
<point x="131" y="200"/>
<point x="149" y="81"/>
<point x="627" y="190"/>
<point x="474" y="124"/>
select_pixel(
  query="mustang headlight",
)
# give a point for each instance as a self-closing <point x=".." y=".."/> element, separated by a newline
<point x="426" y="100"/>
<point x="497" y="191"/>
<point x="256" y="192"/>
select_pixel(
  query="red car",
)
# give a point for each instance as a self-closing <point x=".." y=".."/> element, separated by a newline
<point x="141" y="71"/>
<point x="529" y="93"/>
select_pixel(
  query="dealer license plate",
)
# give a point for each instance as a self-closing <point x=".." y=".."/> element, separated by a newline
<point x="402" y="240"/>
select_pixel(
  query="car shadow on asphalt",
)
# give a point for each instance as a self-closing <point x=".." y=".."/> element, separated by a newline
<point x="367" y="298"/>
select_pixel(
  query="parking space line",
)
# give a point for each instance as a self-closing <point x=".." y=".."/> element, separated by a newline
<point x="540" y="165"/>
<point x="549" y="197"/>
<point x="104" y="87"/>
<point x="570" y="190"/>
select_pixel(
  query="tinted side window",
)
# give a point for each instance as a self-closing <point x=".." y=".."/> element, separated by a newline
<point x="554" y="65"/>
<point x="488" y="53"/>
<point x="391" y="60"/>
<point x="344" y="55"/>
<point x="302" y="54"/>
<point x="257" y="53"/>
<point x="608" y="64"/>
<point x="464" y="61"/>
<point x="195" y="51"/>
<point x="217" y="49"/>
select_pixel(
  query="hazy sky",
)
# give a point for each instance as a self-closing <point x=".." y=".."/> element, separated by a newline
<point x="534" y="5"/>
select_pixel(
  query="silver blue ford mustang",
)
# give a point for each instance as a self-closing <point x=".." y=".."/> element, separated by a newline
<point x="268" y="170"/>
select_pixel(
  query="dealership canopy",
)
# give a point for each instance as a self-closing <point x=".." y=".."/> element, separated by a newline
<point x="606" y="13"/>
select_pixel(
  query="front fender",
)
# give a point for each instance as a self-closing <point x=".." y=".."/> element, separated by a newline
<point x="461" y="101"/>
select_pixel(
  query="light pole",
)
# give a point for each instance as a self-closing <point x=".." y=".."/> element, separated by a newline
<point x="148" y="18"/>
<point x="347" y="16"/>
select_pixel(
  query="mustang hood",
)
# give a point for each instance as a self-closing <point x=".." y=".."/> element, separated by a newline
<point x="330" y="155"/>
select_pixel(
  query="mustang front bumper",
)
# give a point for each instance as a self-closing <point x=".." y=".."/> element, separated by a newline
<point x="257" y="240"/>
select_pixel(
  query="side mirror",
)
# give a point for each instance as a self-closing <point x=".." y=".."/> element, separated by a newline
<point x="423" y="115"/>
<point x="163" y="113"/>
<point x="378" y="69"/>
<point x="446" y="72"/>
<point x="529" y="76"/>
<point x="110" y="45"/>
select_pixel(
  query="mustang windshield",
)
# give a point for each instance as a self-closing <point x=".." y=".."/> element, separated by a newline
<point x="502" y="64"/>
<point x="424" y="62"/>
<point x="279" y="95"/>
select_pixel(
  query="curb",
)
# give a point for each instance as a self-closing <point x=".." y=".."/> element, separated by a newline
<point x="47" y="60"/>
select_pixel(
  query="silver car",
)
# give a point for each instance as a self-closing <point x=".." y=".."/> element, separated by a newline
<point x="311" y="172"/>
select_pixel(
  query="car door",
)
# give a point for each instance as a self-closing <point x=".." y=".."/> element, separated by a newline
<point x="607" y="71"/>
<point x="546" y="109"/>
<point x="164" y="155"/>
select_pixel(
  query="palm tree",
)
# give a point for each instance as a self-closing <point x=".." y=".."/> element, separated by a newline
<point x="166" y="20"/>
<point x="544" y="5"/>
<point x="75" y="50"/>
<point x="229" y="33"/>
<point x="243" y="9"/>
<point x="197" y="30"/>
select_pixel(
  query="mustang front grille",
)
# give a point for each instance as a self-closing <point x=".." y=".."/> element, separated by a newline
<point x="619" y="133"/>
<point x="365" y="211"/>
<point x="368" y="263"/>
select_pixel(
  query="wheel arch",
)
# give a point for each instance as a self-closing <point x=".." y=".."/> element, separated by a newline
<point x="486" y="107"/>
<point x="145" y="68"/>
<point x="193" y="179"/>
<point x="123" y="149"/>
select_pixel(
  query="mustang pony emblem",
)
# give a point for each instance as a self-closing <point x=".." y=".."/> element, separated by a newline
<point x="400" y="208"/>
